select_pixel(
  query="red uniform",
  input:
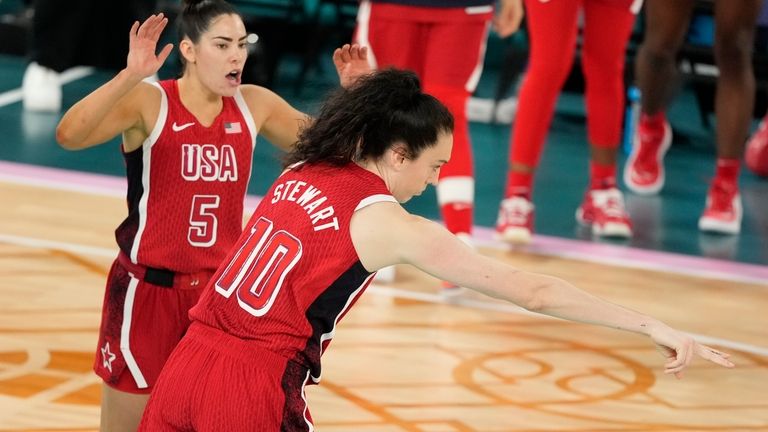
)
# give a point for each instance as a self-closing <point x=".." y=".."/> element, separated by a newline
<point x="606" y="31"/>
<point x="186" y="186"/>
<point x="444" y="43"/>
<point x="271" y="309"/>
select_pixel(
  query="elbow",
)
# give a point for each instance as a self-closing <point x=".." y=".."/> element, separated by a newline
<point x="64" y="138"/>
<point x="536" y="300"/>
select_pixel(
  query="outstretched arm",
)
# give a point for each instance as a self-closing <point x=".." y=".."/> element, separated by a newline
<point x="112" y="108"/>
<point x="351" y="63"/>
<point x="430" y="247"/>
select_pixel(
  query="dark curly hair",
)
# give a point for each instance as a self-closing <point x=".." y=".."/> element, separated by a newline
<point x="363" y="121"/>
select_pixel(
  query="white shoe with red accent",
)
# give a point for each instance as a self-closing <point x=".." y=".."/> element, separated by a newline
<point x="644" y="170"/>
<point x="515" y="222"/>
<point x="603" y="210"/>
<point x="723" y="212"/>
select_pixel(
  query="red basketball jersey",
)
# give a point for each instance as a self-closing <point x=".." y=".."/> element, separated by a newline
<point x="294" y="272"/>
<point x="186" y="186"/>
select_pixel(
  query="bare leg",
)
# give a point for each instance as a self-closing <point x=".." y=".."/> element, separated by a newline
<point x="121" y="411"/>
<point x="734" y="39"/>
<point x="666" y="24"/>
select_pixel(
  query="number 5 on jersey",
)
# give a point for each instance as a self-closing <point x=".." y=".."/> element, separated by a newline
<point x="259" y="267"/>
<point x="203" y="224"/>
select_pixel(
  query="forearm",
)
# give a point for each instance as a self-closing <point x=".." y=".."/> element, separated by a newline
<point x="556" y="297"/>
<point x="85" y="116"/>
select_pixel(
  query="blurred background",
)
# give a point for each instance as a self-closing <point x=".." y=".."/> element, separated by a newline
<point x="293" y="57"/>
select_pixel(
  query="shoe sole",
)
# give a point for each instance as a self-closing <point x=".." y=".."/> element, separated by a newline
<point x="655" y="187"/>
<point x="719" y="227"/>
<point x="712" y="225"/>
<point x="609" y="230"/>
<point x="612" y="230"/>
<point x="515" y="236"/>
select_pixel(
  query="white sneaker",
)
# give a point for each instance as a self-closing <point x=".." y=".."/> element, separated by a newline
<point x="41" y="89"/>
<point x="603" y="210"/>
<point x="723" y="211"/>
<point x="514" y="224"/>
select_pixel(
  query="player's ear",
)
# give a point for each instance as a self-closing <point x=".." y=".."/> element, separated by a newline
<point x="397" y="155"/>
<point x="187" y="50"/>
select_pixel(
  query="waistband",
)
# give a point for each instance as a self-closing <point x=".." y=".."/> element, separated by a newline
<point x="164" y="278"/>
<point x="232" y="345"/>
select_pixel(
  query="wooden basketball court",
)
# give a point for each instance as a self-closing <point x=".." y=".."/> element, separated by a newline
<point x="403" y="359"/>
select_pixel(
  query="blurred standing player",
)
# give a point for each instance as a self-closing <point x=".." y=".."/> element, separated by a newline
<point x="606" y="30"/>
<point x="444" y="43"/>
<point x="75" y="33"/>
<point x="665" y="30"/>
<point x="188" y="146"/>
<point x="312" y="246"/>
<point x="756" y="153"/>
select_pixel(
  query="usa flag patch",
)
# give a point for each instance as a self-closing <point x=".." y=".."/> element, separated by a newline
<point x="232" y="127"/>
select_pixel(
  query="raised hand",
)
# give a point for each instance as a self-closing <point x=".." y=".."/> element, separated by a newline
<point x="679" y="349"/>
<point x="351" y="63"/>
<point x="142" y="60"/>
<point x="507" y="19"/>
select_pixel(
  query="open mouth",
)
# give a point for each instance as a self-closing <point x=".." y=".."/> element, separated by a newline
<point x="234" y="77"/>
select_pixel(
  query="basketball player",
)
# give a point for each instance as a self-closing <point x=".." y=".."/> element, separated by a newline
<point x="606" y="30"/>
<point x="666" y="26"/>
<point x="444" y="43"/>
<point x="312" y="246"/>
<point x="188" y="145"/>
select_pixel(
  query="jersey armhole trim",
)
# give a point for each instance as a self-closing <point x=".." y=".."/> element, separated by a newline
<point x="246" y="113"/>
<point x="373" y="199"/>
<point x="162" y="115"/>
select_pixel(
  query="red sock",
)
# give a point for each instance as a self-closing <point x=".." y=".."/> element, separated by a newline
<point x="727" y="171"/>
<point x="602" y="176"/>
<point x="519" y="184"/>
<point x="655" y="121"/>
<point x="457" y="217"/>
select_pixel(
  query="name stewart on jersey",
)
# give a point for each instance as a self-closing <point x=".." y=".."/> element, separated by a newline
<point x="208" y="163"/>
<point x="311" y="199"/>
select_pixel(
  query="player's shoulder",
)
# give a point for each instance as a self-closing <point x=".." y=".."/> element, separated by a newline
<point x="252" y="91"/>
<point x="145" y="95"/>
<point x="148" y="89"/>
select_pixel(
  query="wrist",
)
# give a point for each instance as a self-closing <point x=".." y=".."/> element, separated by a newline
<point x="130" y="77"/>
<point x="650" y="326"/>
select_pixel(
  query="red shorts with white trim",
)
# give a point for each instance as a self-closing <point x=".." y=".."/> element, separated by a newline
<point x="444" y="46"/>
<point x="141" y="323"/>
<point x="217" y="382"/>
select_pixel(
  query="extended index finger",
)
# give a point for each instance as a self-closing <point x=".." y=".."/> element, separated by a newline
<point x="715" y="356"/>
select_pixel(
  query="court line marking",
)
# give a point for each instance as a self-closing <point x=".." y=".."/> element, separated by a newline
<point x="66" y="77"/>
<point x="512" y="308"/>
<point x="74" y="181"/>
<point x="688" y="265"/>
<point x="377" y="289"/>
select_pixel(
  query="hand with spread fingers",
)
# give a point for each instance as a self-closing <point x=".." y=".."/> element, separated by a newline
<point x="142" y="59"/>
<point x="351" y="63"/>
